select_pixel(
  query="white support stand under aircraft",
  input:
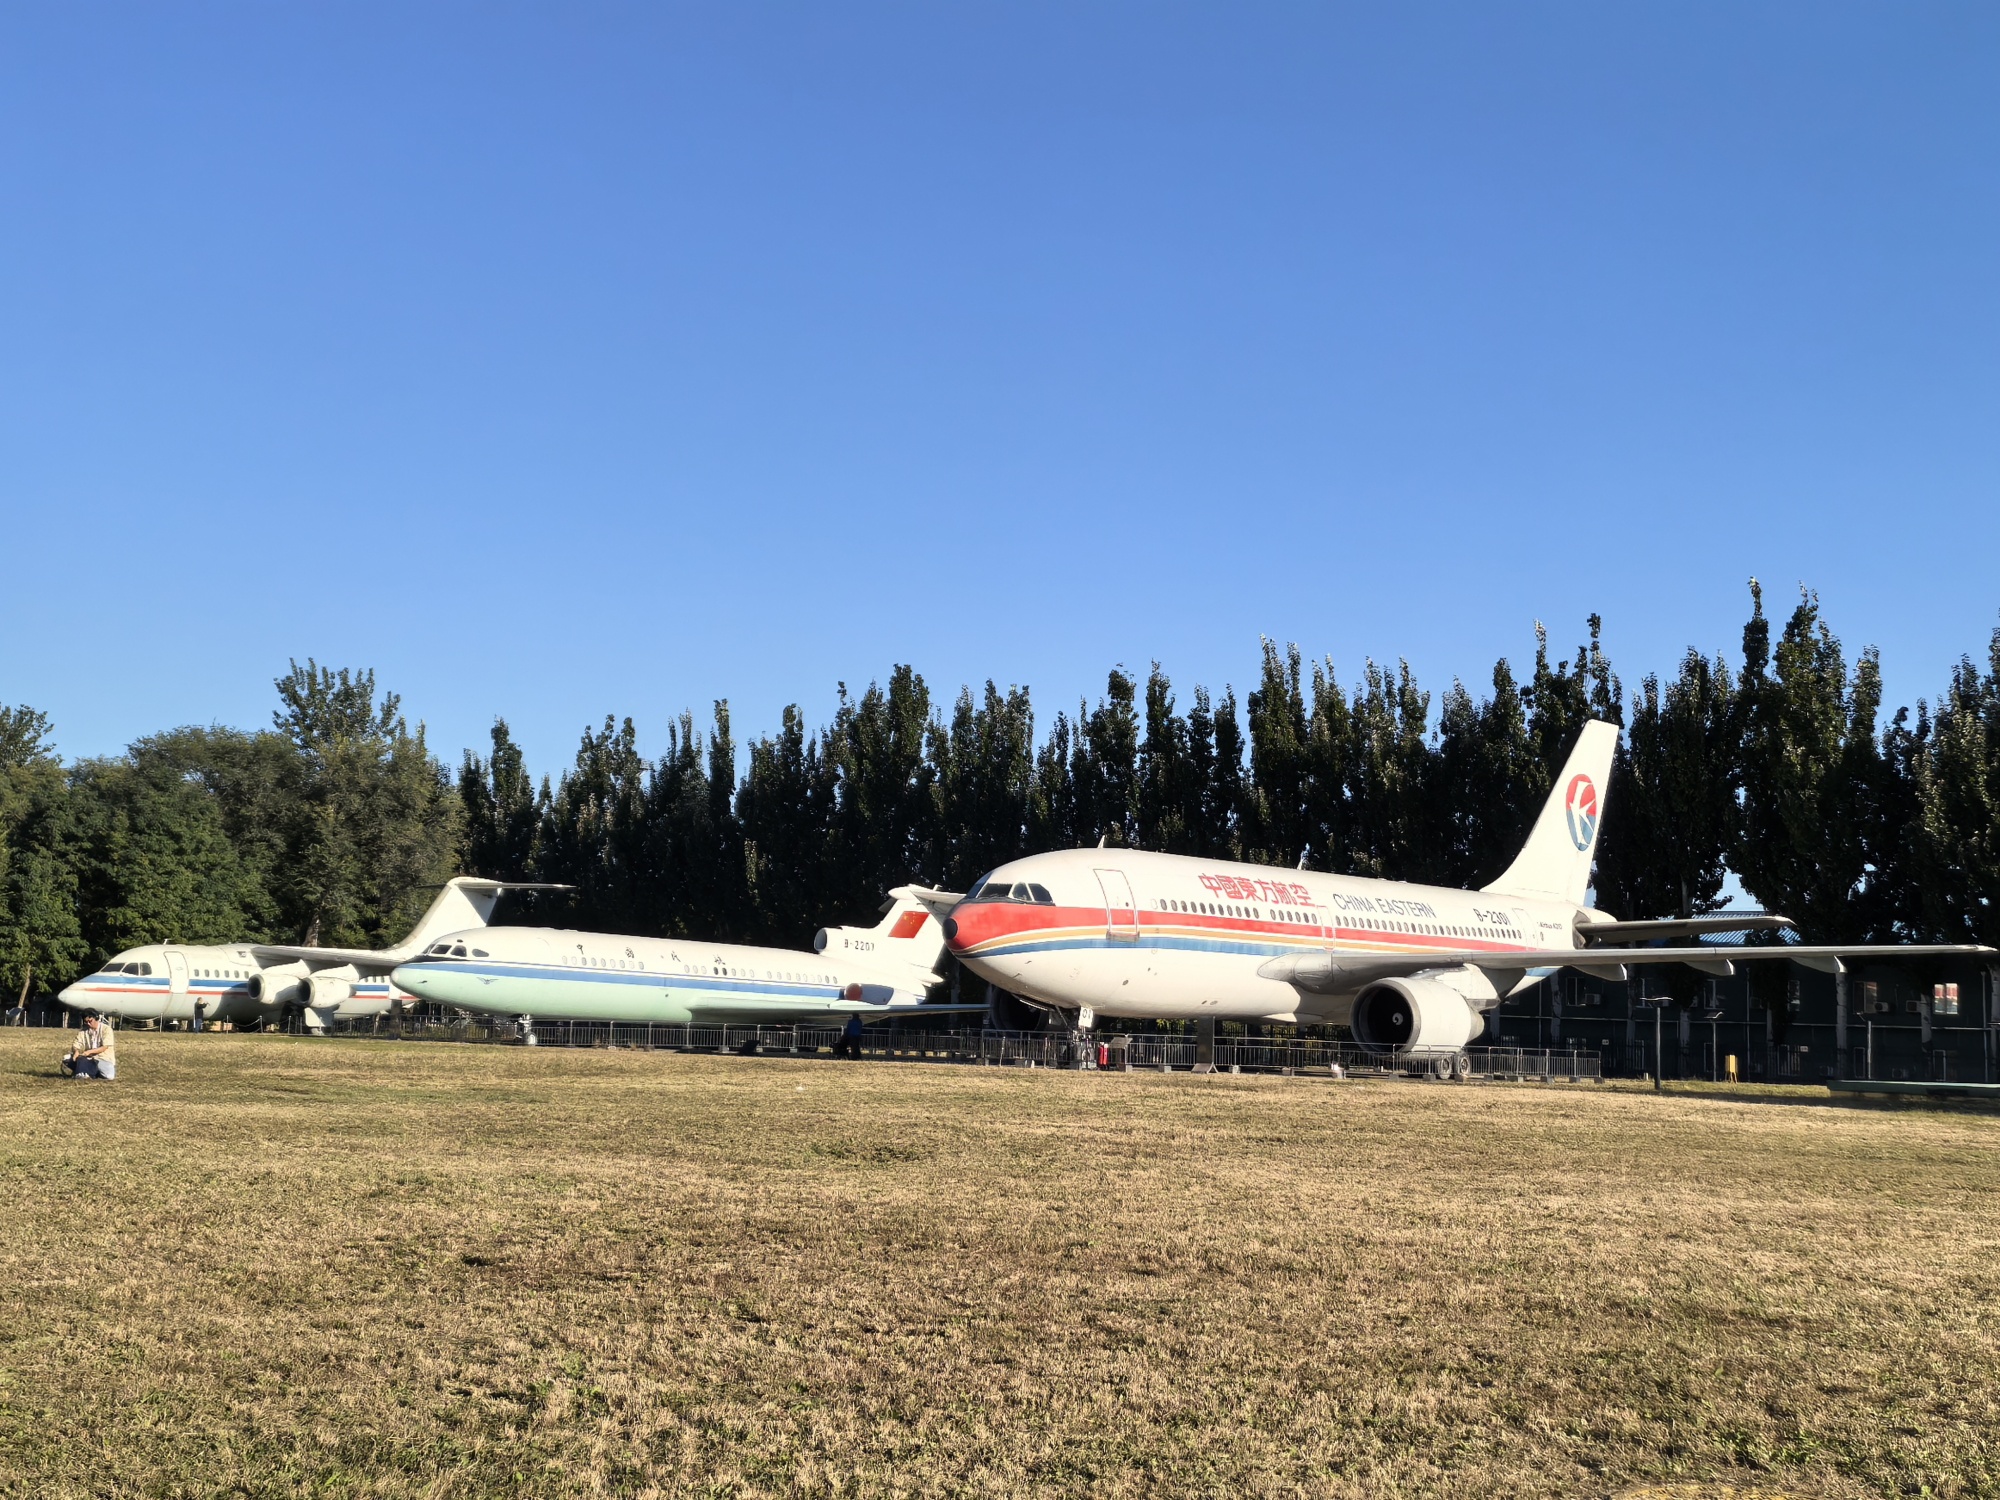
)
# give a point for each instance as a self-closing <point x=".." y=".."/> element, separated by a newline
<point x="1411" y="969"/>
<point x="550" y="974"/>
<point x="260" y="982"/>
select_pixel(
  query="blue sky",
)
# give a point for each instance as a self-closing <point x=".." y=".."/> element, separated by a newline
<point x="557" y="361"/>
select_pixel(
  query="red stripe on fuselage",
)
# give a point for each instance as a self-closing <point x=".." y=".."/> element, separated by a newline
<point x="984" y="922"/>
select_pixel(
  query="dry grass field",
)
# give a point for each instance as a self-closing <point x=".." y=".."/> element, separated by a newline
<point x="268" y="1266"/>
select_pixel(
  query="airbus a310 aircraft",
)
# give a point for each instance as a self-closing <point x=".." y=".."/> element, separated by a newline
<point x="1411" y="969"/>
<point x="544" y="973"/>
<point x="246" y="982"/>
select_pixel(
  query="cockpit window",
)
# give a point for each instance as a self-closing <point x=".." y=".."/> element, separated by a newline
<point x="480" y="953"/>
<point x="442" y="948"/>
<point x="138" y="968"/>
<point x="1040" y="895"/>
<point x="459" y="951"/>
<point x="112" y="969"/>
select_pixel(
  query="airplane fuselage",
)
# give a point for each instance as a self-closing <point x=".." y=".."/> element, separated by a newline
<point x="1130" y="933"/>
<point x="550" y="974"/>
<point x="165" y="982"/>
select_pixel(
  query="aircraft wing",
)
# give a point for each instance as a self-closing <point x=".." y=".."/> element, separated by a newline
<point x="1599" y="933"/>
<point x="367" y="961"/>
<point x="1336" y="973"/>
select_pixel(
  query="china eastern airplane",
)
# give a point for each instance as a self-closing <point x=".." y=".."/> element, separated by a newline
<point x="259" y="982"/>
<point x="1410" y="969"/>
<point x="548" y="974"/>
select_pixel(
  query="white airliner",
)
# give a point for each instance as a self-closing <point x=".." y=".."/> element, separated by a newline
<point x="245" y="982"/>
<point x="1411" y="969"/>
<point x="548" y="974"/>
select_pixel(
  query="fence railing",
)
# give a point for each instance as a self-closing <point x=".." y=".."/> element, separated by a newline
<point x="1134" y="1050"/>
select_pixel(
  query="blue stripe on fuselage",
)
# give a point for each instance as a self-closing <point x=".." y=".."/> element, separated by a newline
<point x="651" y="979"/>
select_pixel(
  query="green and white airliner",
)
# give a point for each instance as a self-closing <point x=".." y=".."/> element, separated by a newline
<point x="549" y="974"/>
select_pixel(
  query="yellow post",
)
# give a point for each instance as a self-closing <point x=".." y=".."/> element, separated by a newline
<point x="1729" y="1068"/>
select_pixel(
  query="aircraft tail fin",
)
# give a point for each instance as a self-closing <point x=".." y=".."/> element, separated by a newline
<point x="465" y="901"/>
<point x="908" y="941"/>
<point x="1555" y="862"/>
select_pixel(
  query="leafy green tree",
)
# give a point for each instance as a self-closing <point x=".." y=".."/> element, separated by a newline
<point x="1278" y="827"/>
<point x="373" y="823"/>
<point x="1491" y="781"/>
<point x="888" y="809"/>
<point x="787" y="809"/>
<point x="1811" y="833"/>
<point x="1957" y="833"/>
<point x="1054" y="821"/>
<point x="1390" y="786"/>
<point x="1671" y="815"/>
<point x="1169" y="785"/>
<point x="154" y="861"/>
<point x="251" y="778"/>
<point x="596" y="831"/>
<point x="1329" y="770"/>
<point x="984" y="783"/>
<point x="1107" y="773"/>
<point x="39" y="926"/>
<point x="503" y="816"/>
<point x="1228" y="790"/>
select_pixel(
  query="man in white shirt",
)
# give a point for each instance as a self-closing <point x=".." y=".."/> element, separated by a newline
<point x="94" y="1054"/>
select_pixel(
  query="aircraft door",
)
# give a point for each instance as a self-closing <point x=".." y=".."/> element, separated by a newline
<point x="1121" y="912"/>
<point x="176" y="1001"/>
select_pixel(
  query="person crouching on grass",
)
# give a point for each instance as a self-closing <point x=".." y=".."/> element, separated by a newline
<point x="94" y="1053"/>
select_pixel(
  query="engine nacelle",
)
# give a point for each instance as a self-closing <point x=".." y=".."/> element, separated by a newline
<point x="286" y="985"/>
<point x="327" y="992"/>
<point x="1414" y="1018"/>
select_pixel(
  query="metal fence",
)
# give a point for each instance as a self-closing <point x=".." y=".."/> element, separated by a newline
<point x="1152" y="1052"/>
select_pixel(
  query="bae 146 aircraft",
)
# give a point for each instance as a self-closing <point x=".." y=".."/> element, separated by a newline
<point x="1410" y="969"/>
<point x="259" y="982"/>
<point x="548" y="974"/>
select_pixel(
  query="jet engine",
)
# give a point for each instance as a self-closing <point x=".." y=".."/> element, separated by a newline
<point x="1413" y="1018"/>
<point x="288" y="985"/>
<point x="327" y="991"/>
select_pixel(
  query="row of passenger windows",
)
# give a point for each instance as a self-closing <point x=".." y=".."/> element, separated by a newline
<point x="1369" y="924"/>
<point x="220" y="974"/>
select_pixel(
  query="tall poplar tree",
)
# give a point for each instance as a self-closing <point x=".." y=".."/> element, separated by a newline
<point x="1957" y="837"/>
<point x="1812" y="775"/>
<point x="1671" y="817"/>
